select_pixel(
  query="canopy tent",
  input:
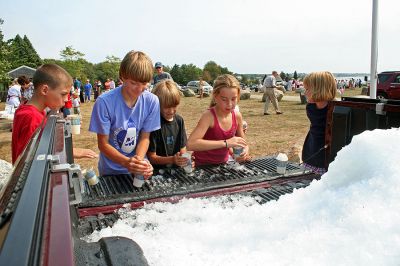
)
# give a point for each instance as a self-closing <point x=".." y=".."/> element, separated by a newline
<point x="22" y="71"/>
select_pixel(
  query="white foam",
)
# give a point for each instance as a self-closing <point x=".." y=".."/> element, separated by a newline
<point x="350" y="217"/>
<point x="282" y="157"/>
<point x="5" y="171"/>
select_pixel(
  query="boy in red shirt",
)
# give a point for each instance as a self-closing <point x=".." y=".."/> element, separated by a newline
<point x="52" y="84"/>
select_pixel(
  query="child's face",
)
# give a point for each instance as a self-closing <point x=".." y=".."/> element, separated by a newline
<point x="308" y="94"/>
<point x="168" y="112"/>
<point x="56" y="97"/>
<point x="226" y="99"/>
<point x="133" y="88"/>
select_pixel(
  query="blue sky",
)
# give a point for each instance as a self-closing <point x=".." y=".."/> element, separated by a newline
<point x="247" y="36"/>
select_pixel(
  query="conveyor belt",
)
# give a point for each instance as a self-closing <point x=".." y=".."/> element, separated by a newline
<point x="113" y="190"/>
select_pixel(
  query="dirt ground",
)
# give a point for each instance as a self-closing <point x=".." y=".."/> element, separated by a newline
<point x="266" y="135"/>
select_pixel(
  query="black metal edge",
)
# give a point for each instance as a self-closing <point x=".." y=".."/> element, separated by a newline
<point x="22" y="245"/>
<point x="10" y="193"/>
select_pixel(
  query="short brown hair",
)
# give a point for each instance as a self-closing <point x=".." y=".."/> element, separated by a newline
<point x="51" y="75"/>
<point x="322" y="85"/>
<point x="136" y="66"/>
<point x="168" y="93"/>
<point x="224" y="81"/>
<point x="22" y="80"/>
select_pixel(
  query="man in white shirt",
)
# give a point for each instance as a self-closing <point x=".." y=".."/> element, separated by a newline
<point x="270" y="85"/>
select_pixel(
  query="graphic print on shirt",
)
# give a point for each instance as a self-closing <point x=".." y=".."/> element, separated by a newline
<point x="126" y="138"/>
<point x="170" y="140"/>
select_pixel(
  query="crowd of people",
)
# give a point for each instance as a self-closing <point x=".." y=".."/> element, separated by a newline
<point x="139" y="131"/>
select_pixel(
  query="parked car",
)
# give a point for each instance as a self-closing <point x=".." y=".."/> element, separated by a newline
<point x="388" y="85"/>
<point x="255" y="87"/>
<point x="194" y="86"/>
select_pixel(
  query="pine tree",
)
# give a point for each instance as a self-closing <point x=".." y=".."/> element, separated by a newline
<point x="33" y="57"/>
<point x="18" y="52"/>
<point x="4" y="54"/>
<point x="295" y="75"/>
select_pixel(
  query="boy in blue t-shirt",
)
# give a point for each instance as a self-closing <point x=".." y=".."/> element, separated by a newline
<point x="124" y="117"/>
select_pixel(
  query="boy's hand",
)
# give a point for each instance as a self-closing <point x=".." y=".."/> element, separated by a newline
<point x="179" y="160"/>
<point x="79" y="153"/>
<point x="140" y="167"/>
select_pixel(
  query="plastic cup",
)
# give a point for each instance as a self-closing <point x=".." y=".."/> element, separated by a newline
<point x="138" y="181"/>
<point x="281" y="163"/>
<point x="188" y="167"/>
<point x="91" y="177"/>
<point x="237" y="151"/>
<point x="75" y="124"/>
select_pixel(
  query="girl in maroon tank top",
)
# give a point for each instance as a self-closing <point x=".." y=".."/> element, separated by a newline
<point x="220" y="127"/>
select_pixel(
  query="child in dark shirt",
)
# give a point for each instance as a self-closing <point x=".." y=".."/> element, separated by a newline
<point x="320" y="88"/>
<point x="169" y="142"/>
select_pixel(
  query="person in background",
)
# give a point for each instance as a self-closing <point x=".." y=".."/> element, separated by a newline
<point x="76" y="103"/>
<point x="52" y="85"/>
<point x="107" y="85"/>
<point x="78" y="87"/>
<point x="270" y="86"/>
<point x="96" y="89"/>
<point x="320" y="87"/>
<point x="88" y="90"/>
<point x="220" y="127"/>
<point x="160" y="73"/>
<point x="112" y="84"/>
<point x="169" y="142"/>
<point x="14" y="92"/>
<point x="27" y="92"/>
<point x="68" y="105"/>
<point x="124" y="117"/>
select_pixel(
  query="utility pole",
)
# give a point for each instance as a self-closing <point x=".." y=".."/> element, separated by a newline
<point x="374" y="51"/>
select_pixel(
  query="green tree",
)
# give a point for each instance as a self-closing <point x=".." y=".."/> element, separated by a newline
<point x="108" y="68"/>
<point x="33" y="57"/>
<point x="282" y="75"/>
<point x="190" y="72"/>
<point x="213" y="70"/>
<point x="19" y="54"/>
<point x="245" y="79"/>
<point x="295" y="75"/>
<point x="22" y="53"/>
<point x="4" y="55"/>
<point x="176" y="74"/>
<point x="73" y="61"/>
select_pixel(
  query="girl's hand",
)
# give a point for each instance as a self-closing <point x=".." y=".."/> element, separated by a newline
<point x="179" y="160"/>
<point x="244" y="156"/>
<point x="236" y="141"/>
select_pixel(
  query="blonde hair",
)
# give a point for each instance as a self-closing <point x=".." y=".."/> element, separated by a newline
<point x="322" y="85"/>
<point x="136" y="66"/>
<point x="168" y="93"/>
<point x="224" y="81"/>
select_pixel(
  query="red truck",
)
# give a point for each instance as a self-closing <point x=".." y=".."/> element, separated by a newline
<point x="46" y="207"/>
<point x="388" y="86"/>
